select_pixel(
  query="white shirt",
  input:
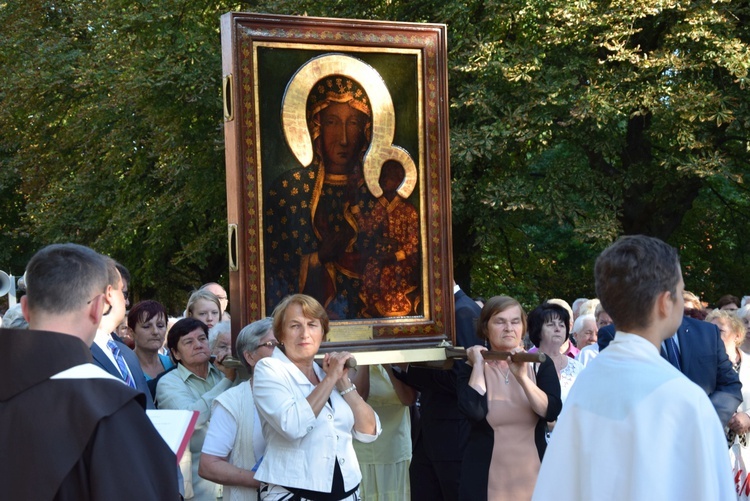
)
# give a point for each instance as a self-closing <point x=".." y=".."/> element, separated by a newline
<point x="101" y="340"/>
<point x="588" y="353"/>
<point x="233" y="433"/>
<point x="635" y="428"/>
<point x="301" y="448"/>
<point x="222" y="430"/>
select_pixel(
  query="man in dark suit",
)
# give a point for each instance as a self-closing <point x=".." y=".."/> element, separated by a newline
<point x="114" y="356"/>
<point x="442" y="431"/>
<point x="467" y="313"/>
<point x="703" y="359"/>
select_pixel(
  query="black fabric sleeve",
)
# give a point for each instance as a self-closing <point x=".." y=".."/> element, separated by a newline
<point x="425" y="378"/>
<point x="549" y="382"/>
<point x="470" y="402"/>
<point x="129" y="460"/>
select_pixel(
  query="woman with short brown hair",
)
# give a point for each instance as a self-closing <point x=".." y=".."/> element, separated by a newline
<point x="310" y="414"/>
<point x="508" y="404"/>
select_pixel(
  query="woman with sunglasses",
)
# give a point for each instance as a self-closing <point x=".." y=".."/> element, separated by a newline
<point x="234" y="441"/>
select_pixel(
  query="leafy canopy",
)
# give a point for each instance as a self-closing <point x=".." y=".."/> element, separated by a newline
<point x="572" y="122"/>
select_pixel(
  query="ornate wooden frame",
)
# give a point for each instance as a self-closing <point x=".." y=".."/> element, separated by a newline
<point x="259" y="52"/>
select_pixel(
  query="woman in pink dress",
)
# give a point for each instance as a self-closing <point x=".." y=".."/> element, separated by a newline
<point x="508" y="405"/>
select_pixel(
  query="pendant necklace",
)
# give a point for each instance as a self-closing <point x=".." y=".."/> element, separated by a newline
<point x="506" y="375"/>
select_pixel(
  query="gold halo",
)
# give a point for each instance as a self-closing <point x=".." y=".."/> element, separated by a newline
<point x="391" y="153"/>
<point x="294" y="117"/>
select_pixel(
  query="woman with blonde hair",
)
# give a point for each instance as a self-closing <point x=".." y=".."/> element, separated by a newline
<point x="205" y="306"/>
<point x="744" y="314"/>
<point x="732" y="332"/>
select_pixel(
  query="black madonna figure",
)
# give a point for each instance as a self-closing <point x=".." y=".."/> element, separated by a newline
<point x="312" y="211"/>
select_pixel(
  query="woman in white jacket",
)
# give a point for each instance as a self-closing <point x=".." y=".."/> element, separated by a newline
<point x="309" y="414"/>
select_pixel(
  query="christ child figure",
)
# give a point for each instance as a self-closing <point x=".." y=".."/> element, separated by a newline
<point x="390" y="281"/>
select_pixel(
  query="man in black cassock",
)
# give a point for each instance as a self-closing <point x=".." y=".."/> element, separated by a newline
<point x="69" y="430"/>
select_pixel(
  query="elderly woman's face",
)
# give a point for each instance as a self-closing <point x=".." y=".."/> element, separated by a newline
<point x="746" y="323"/>
<point x="342" y="136"/>
<point x="301" y="335"/>
<point x="265" y="348"/>
<point x="553" y="332"/>
<point x="192" y="349"/>
<point x="727" y="335"/>
<point x="505" y="329"/>
<point x="206" y="311"/>
<point x="587" y="334"/>
<point x="223" y="346"/>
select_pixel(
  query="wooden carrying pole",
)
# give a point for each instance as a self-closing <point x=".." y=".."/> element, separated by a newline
<point x="439" y="357"/>
<point x="523" y="356"/>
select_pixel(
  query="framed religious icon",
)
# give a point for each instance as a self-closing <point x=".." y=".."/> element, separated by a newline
<point x="338" y="180"/>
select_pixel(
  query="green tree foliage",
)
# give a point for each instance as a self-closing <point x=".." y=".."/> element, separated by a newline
<point x="111" y="120"/>
<point x="580" y="121"/>
<point x="572" y="122"/>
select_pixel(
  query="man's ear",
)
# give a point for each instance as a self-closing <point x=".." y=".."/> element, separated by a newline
<point x="665" y="304"/>
<point x="108" y="294"/>
<point x="25" y="308"/>
<point x="108" y="299"/>
<point x="96" y="309"/>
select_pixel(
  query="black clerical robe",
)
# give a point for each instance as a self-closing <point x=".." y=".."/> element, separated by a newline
<point x="68" y="431"/>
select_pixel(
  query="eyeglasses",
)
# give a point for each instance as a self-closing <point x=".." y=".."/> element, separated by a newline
<point x="268" y="344"/>
<point x="94" y="298"/>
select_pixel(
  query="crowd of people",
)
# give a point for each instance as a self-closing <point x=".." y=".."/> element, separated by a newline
<point x="641" y="378"/>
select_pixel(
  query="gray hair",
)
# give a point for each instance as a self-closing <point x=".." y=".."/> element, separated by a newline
<point x="744" y="311"/>
<point x="249" y="338"/>
<point x="13" y="318"/>
<point x="589" y="307"/>
<point x="214" y="332"/>
<point x="598" y="311"/>
<point x="577" y="305"/>
<point x="578" y="324"/>
<point x="62" y="278"/>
